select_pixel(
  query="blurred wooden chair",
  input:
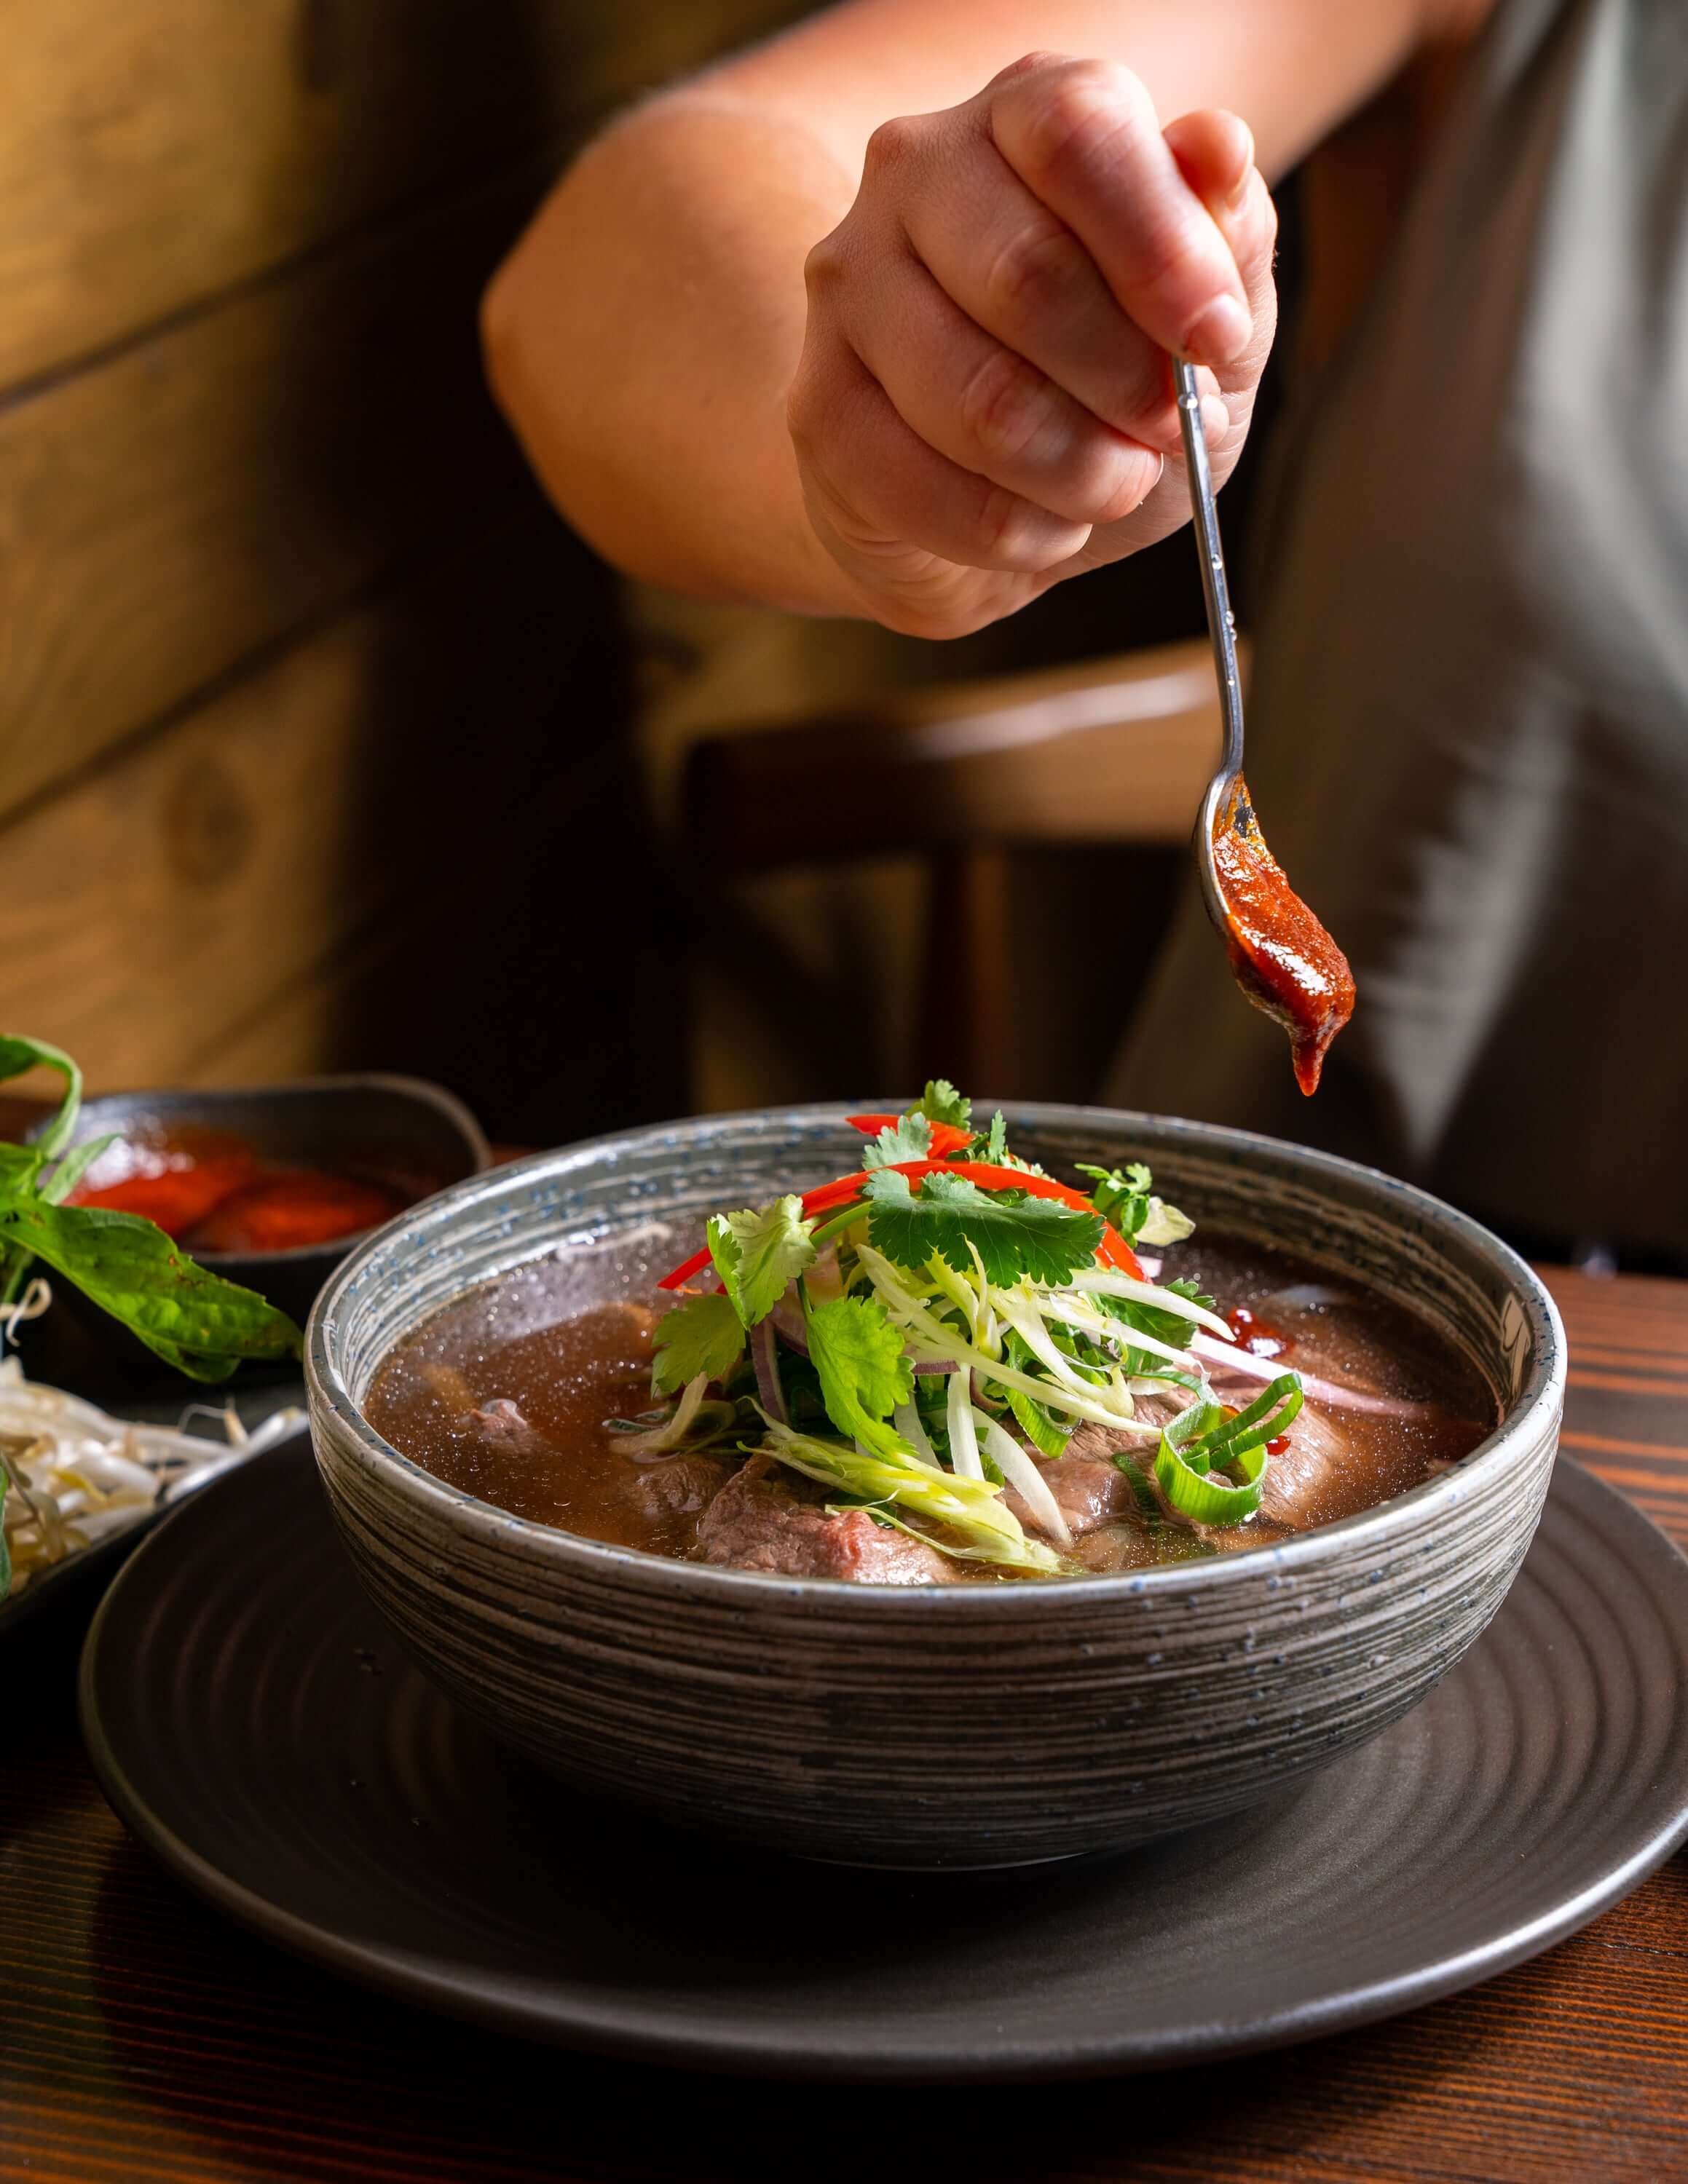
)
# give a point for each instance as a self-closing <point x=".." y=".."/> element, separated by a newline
<point x="1114" y="750"/>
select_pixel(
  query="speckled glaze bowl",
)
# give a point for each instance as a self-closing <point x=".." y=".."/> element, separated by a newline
<point x="972" y="1725"/>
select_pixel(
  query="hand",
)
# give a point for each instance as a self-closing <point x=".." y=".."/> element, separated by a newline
<point x="984" y="403"/>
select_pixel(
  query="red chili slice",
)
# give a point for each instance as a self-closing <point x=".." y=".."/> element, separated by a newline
<point x="947" y="1137"/>
<point x="1113" y="1250"/>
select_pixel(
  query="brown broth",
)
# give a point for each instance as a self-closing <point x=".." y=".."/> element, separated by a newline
<point x="435" y="1398"/>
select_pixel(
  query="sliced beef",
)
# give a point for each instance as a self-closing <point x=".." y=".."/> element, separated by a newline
<point x="1313" y="1471"/>
<point x="1088" y="1490"/>
<point x="679" y="1487"/>
<point x="1088" y="1486"/>
<point x="503" y="1423"/>
<point x="1316" y="1476"/>
<point x="763" y="1519"/>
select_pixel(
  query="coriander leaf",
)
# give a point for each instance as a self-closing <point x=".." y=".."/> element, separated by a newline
<point x="941" y="1103"/>
<point x="193" y="1319"/>
<point x="759" y="1254"/>
<point x="1120" y="1195"/>
<point x="996" y="1146"/>
<point x="908" y="1139"/>
<point x="1016" y="1236"/>
<point x="703" y="1334"/>
<point x="865" y="1371"/>
<point x="18" y="1055"/>
<point x="1123" y="1197"/>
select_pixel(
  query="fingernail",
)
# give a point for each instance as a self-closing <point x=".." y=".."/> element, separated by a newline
<point x="1215" y="418"/>
<point x="1218" y="333"/>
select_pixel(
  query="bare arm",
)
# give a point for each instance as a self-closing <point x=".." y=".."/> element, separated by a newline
<point x="916" y="437"/>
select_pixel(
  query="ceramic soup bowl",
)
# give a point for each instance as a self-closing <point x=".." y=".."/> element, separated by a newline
<point x="968" y="1725"/>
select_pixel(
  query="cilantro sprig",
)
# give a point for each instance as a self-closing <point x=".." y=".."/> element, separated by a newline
<point x="865" y="1371"/>
<point x="758" y="1255"/>
<point x="704" y="1334"/>
<point x="908" y="1139"/>
<point x="1017" y="1237"/>
<point x="941" y="1103"/>
<point x="1123" y="1196"/>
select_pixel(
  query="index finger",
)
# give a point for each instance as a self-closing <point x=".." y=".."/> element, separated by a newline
<point x="1084" y="137"/>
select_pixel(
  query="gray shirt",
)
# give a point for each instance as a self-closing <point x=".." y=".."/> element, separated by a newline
<point x="1468" y="718"/>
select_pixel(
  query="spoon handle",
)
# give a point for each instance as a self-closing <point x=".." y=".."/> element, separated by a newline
<point x="1221" y="628"/>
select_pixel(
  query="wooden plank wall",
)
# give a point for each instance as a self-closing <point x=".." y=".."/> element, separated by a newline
<point x="311" y="716"/>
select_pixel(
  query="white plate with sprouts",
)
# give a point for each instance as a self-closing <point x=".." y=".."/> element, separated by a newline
<point x="80" y="1485"/>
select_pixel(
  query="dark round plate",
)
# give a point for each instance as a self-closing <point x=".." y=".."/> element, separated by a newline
<point x="252" y="1721"/>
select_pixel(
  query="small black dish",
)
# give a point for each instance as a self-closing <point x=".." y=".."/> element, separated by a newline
<point x="410" y="1136"/>
<point x="252" y="1717"/>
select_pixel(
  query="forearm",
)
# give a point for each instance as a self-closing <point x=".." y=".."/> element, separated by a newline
<point x="643" y="336"/>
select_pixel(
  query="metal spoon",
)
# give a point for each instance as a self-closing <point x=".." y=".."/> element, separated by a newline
<point x="1285" y="961"/>
<point x="1222" y="629"/>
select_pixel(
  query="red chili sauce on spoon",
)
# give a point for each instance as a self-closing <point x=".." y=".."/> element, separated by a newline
<point x="1284" y="960"/>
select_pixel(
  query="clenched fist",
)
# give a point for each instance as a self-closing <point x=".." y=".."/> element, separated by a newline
<point x="984" y="403"/>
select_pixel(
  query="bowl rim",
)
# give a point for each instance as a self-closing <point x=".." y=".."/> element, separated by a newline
<point x="421" y="1089"/>
<point x="1542" y="1392"/>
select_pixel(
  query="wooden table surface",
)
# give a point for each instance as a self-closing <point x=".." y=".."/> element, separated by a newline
<point x="141" y="2036"/>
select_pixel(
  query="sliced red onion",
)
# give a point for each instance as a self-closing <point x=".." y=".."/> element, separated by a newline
<point x="764" y="1357"/>
<point x="1232" y="1358"/>
<point x="786" y="1320"/>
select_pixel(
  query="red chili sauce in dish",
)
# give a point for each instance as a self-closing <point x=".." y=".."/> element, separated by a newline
<point x="211" y="1191"/>
<point x="1284" y="960"/>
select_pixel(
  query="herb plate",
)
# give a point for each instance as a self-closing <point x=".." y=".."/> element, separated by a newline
<point x="252" y="1717"/>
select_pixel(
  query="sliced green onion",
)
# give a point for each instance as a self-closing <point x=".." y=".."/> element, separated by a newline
<point x="1035" y="1423"/>
<point x="1142" y="1493"/>
<point x="1217" y="1442"/>
<point x="1263" y="1421"/>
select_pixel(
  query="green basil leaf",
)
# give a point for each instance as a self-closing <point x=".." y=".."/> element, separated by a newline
<point x="73" y="1168"/>
<point x="192" y="1318"/>
<point x="18" y="1056"/>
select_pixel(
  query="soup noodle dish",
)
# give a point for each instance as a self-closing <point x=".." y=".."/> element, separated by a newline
<point x="929" y="1487"/>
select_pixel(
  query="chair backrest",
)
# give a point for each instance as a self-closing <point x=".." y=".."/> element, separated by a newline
<point x="1110" y="751"/>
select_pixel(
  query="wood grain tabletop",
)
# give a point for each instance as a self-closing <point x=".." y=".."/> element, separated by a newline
<point x="143" y="2037"/>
